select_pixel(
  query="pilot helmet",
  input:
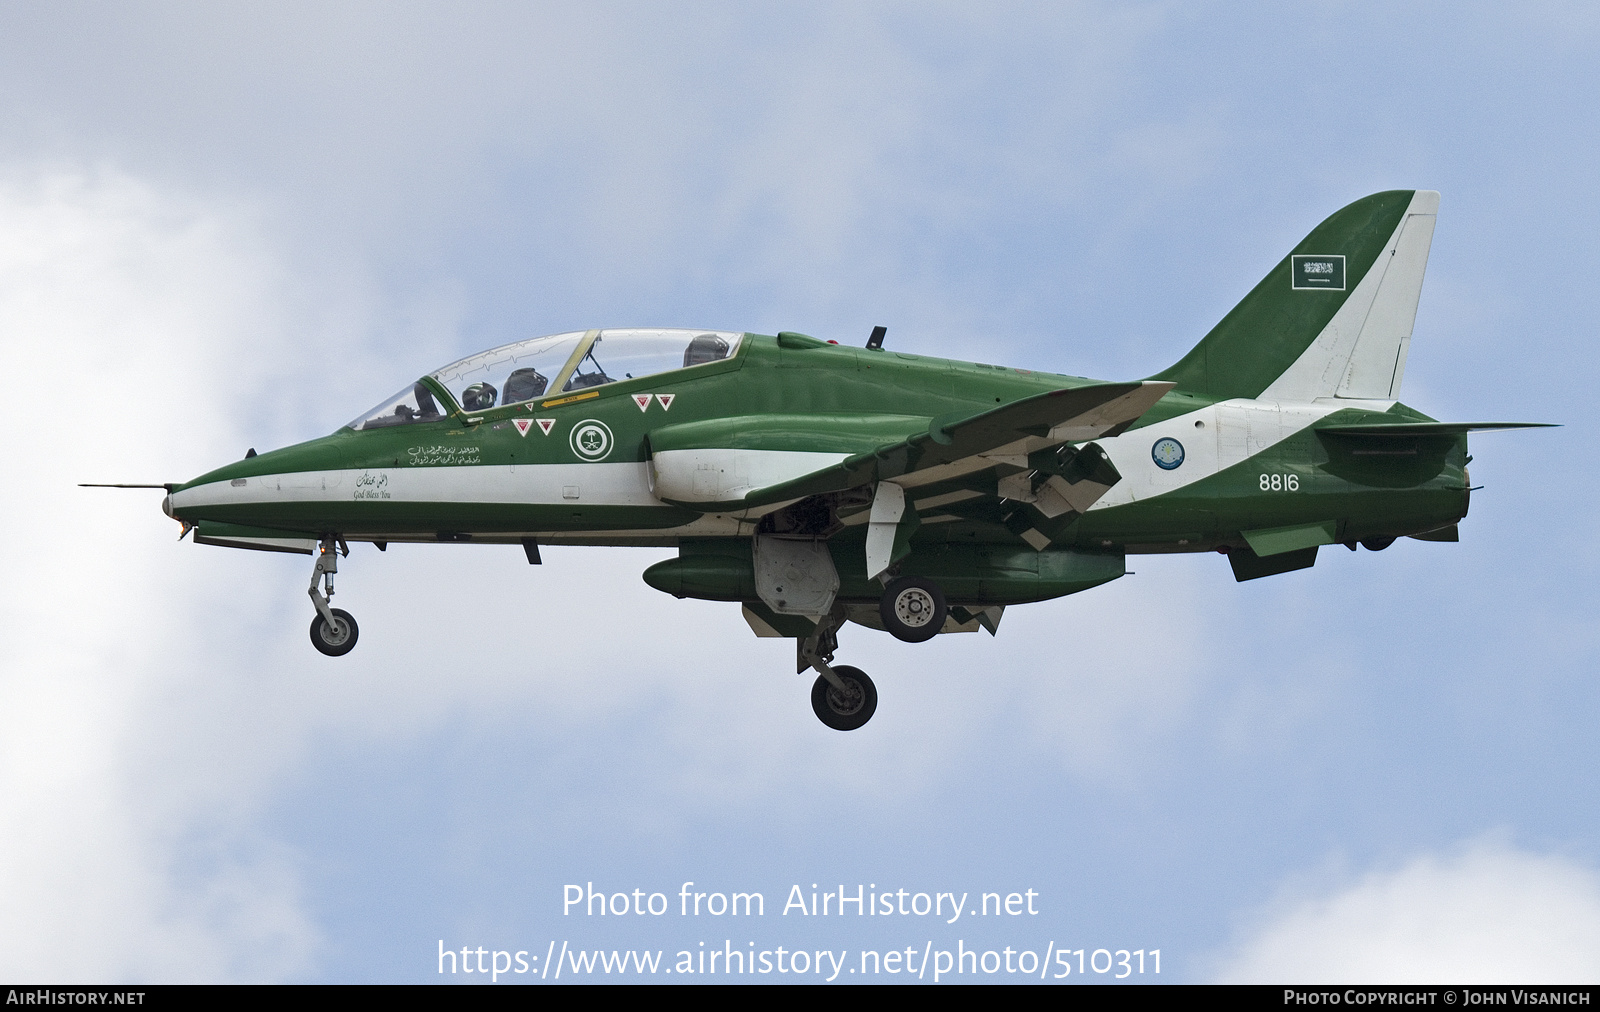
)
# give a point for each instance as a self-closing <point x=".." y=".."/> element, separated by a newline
<point x="478" y="397"/>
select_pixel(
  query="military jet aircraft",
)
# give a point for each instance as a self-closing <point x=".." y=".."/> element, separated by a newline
<point x="816" y="484"/>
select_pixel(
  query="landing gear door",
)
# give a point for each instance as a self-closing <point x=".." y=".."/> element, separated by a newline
<point x="795" y="577"/>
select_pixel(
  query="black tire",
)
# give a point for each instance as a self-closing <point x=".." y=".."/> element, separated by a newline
<point x="840" y="712"/>
<point x="1377" y="544"/>
<point x="913" y="609"/>
<point x="341" y="641"/>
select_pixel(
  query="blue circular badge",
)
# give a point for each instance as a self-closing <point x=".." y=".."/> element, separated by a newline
<point x="1167" y="453"/>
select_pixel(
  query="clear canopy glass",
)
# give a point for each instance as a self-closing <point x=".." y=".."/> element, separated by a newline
<point x="508" y="374"/>
<point x="543" y="366"/>
<point x="617" y="355"/>
<point x="415" y="403"/>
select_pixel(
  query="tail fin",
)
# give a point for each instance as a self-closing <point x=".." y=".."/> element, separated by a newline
<point x="1333" y="319"/>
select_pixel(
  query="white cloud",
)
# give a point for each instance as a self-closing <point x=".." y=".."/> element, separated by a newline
<point x="1488" y="914"/>
<point x="118" y="307"/>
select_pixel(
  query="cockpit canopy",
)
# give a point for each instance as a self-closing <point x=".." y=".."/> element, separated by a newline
<point x="546" y="366"/>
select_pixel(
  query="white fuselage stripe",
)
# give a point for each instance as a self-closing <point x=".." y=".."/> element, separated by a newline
<point x="1229" y="432"/>
<point x="615" y="484"/>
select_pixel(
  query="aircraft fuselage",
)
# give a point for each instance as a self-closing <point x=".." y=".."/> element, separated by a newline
<point x="1245" y="465"/>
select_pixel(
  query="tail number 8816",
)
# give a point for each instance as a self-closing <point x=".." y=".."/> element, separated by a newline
<point x="1280" y="483"/>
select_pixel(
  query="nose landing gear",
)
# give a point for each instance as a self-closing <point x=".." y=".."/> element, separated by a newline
<point x="850" y="704"/>
<point x="843" y="697"/>
<point x="336" y="639"/>
<point x="333" y="630"/>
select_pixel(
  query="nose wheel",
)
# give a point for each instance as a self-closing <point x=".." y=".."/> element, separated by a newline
<point x="848" y="706"/>
<point x="333" y="630"/>
<point x="335" y="639"/>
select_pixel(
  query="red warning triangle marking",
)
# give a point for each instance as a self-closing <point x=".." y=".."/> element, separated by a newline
<point x="643" y="400"/>
<point x="666" y="401"/>
<point x="523" y="425"/>
<point x="545" y="424"/>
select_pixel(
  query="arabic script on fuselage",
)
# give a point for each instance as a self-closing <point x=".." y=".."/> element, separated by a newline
<point x="372" y="486"/>
<point x="422" y="455"/>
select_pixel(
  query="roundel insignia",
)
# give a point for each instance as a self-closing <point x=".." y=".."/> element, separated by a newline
<point x="1167" y="453"/>
<point x="591" y="439"/>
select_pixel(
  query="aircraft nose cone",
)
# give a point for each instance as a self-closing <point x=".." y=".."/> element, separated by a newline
<point x="166" y="505"/>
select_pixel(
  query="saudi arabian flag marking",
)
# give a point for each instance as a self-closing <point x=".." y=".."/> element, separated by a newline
<point x="1325" y="272"/>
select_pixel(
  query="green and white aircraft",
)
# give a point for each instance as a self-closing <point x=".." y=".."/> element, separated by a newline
<point x="815" y="484"/>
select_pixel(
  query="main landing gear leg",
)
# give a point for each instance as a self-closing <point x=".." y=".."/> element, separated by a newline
<point x="333" y="630"/>
<point x="843" y="697"/>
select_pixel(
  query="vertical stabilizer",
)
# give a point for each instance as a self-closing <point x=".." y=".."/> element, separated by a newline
<point x="1333" y="318"/>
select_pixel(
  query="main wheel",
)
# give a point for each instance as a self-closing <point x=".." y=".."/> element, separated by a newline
<point x="845" y="711"/>
<point x="339" y="640"/>
<point x="912" y="609"/>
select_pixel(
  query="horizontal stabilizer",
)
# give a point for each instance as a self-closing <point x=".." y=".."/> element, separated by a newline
<point x="1446" y="534"/>
<point x="1389" y="429"/>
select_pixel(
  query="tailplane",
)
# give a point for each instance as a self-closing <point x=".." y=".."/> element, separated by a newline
<point x="1333" y="319"/>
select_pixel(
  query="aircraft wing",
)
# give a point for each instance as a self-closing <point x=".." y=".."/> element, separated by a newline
<point x="950" y="447"/>
<point x="1010" y="433"/>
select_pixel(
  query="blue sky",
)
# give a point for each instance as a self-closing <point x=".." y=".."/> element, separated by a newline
<point x="222" y="228"/>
